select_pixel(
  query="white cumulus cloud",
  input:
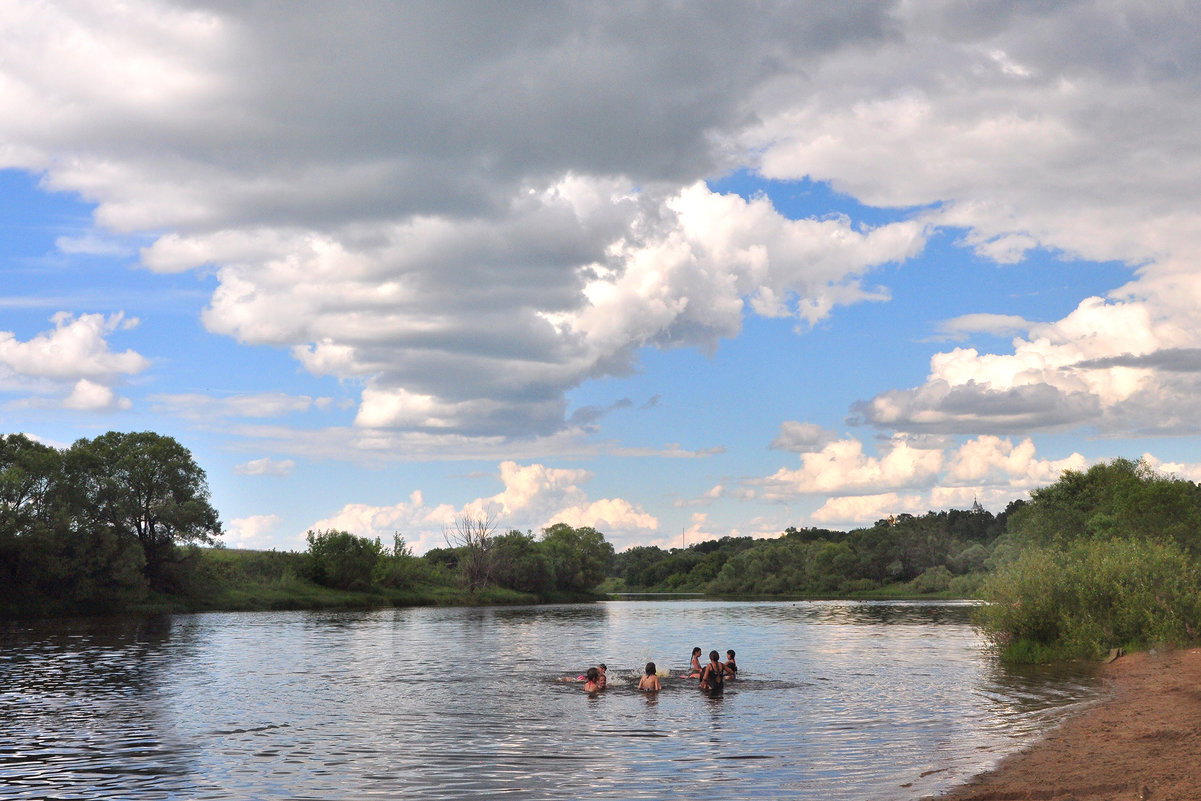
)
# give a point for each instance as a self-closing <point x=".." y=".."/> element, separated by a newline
<point x="72" y="364"/>
<point x="534" y="496"/>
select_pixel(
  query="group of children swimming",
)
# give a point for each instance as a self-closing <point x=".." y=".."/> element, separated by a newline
<point x="711" y="676"/>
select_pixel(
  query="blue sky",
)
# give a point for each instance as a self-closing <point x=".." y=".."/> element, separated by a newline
<point x="663" y="271"/>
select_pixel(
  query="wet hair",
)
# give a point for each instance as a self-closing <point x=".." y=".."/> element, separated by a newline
<point x="592" y="675"/>
<point x="730" y="653"/>
<point x="714" y="656"/>
<point x="696" y="650"/>
<point x="603" y="666"/>
<point x="650" y="668"/>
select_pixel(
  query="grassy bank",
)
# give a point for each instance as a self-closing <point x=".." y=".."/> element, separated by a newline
<point x="219" y="579"/>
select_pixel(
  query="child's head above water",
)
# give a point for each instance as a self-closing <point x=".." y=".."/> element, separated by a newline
<point x="696" y="651"/>
<point x="603" y="667"/>
<point x="592" y="675"/>
<point x="650" y="668"/>
<point x="714" y="656"/>
<point x="730" y="654"/>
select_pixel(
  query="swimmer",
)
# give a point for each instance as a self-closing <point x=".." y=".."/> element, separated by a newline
<point x="694" y="668"/>
<point x="713" y="674"/>
<point x="602" y="680"/>
<point x="590" y="680"/>
<point x="650" y="682"/>
<point x="731" y="665"/>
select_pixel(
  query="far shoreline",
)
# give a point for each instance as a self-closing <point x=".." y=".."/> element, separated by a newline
<point x="1141" y="742"/>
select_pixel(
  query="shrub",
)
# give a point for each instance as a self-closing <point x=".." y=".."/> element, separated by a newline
<point x="933" y="579"/>
<point x="341" y="560"/>
<point x="399" y="568"/>
<point x="1093" y="595"/>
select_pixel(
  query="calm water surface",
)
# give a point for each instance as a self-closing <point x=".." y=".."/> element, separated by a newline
<point x="836" y="700"/>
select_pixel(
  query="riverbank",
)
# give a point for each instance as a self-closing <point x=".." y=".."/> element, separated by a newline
<point x="1143" y="741"/>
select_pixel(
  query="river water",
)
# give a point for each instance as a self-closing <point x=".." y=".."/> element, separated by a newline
<point x="835" y="700"/>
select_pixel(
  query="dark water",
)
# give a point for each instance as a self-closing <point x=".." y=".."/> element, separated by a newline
<point x="836" y="701"/>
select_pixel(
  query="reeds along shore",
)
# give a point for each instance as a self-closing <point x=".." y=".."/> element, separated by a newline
<point x="1141" y="743"/>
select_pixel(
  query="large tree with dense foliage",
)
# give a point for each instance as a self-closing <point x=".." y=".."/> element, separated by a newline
<point x="519" y="562"/>
<point x="141" y="487"/>
<point x="29" y="474"/>
<point x="580" y="558"/>
<point x="88" y="528"/>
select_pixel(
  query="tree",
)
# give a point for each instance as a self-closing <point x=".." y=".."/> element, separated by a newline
<point x="579" y="557"/>
<point x="518" y="562"/>
<point x="1121" y="498"/>
<point x="472" y="536"/>
<point x="28" y="476"/>
<point x="49" y="562"/>
<point x="143" y="487"/>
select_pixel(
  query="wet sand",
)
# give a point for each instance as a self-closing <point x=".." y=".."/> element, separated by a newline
<point x="1142" y="743"/>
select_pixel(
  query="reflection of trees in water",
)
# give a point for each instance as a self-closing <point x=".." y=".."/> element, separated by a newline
<point x="104" y="655"/>
<point x="909" y="613"/>
<point x="84" y="706"/>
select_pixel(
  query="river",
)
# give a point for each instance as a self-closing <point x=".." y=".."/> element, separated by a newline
<point x="835" y="700"/>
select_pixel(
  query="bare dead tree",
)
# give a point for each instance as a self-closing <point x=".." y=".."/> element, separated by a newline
<point x="471" y="535"/>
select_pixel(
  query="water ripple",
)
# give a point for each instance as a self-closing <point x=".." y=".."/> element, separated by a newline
<point x="837" y="701"/>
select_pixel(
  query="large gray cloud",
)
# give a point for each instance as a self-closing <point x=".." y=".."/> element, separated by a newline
<point x="471" y="208"/>
<point x="462" y="206"/>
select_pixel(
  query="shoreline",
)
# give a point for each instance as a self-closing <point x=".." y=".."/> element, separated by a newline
<point x="1142" y="742"/>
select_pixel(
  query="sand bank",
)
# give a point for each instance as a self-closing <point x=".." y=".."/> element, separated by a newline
<point x="1142" y="743"/>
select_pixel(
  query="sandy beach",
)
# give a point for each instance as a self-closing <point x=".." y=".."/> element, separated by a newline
<point x="1142" y="742"/>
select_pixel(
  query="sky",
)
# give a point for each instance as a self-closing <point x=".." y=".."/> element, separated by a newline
<point x="676" y="271"/>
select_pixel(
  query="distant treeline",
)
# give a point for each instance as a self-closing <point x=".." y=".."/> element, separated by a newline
<point x="1109" y="557"/>
<point x="939" y="552"/>
<point x="562" y="562"/>
<point x="1104" y="558"/>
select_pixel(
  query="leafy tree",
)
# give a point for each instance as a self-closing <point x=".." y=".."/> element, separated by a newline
<point x="1121" y="498"/>
<point x="29" y="474"/>
<point x="442" y="558"/>
<point x="580" y="557"/>
<point x="634" y="564"/>
<point x="1093" y="595"/>
<point x="520" y="563"/>
<point x="141" y="487"/>
<point x="49" y="563"/>
<point x="398" y="567"/>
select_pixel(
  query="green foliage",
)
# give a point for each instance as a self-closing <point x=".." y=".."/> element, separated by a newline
<point x="1092" y="595"/>
<point x="914" y="554"/>
<point x="521" y="563"/>
<point x="472" y="538"/>
<point x="1115" y="499"/>
<point x="143" y="488"/>
<point x="579" y="558"/>
<point x="94" y="527"/>
<point x="341" y="560"/>
<point x="398" y="568"/>
<point x="114" y="524"/>
<point x="1100" y="559"/>
<point x="29" y="474"/>
<point x="935" y="579"/>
